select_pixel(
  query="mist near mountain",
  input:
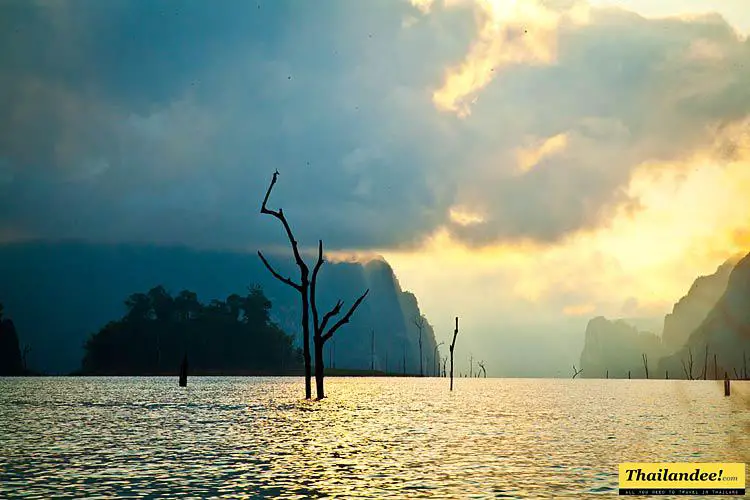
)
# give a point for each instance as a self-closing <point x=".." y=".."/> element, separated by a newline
<point x="690" y="311"/>
<point x="697" y="319"/>
<point x="59" y="293"/>
<point x="725" y="332"/>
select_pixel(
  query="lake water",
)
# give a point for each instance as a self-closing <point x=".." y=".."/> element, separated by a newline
<point x="373" y="437"/>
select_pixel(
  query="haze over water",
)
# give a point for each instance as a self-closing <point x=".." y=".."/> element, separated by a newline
<point x="373" y="437"/>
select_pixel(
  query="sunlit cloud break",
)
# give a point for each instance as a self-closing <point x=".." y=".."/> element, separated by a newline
<point x="508" y="32"/>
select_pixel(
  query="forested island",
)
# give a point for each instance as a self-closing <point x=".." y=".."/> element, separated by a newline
<point x="234" y="336"/>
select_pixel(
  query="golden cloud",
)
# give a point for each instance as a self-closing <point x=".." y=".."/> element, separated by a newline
<point x="528" y="158"/>
<point x="508" y="32"/>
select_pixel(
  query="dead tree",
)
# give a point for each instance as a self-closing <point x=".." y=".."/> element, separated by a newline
<point x="306" y="288"/>
<point x="419" y="322"/>
<point x="436" y="360"/>
<point x="576" y="371"/>
<point x="645" y="363"/>
<point x="321" y="334"/>
<point x="445" y="362"/>
<point x="24" y="356"/>
<point x="302" y="287"/>
<point x="705" y="364"/>
<point x="372" y="351"/>
<point x="688" y="368"/>
<point x="404" y="359"/>
<point x="453" y="346"/>
<point x="471" y="366"/>
<point x="744" y="364"/>
<point x="716" y="369"/>
<point x="481" y="366"/>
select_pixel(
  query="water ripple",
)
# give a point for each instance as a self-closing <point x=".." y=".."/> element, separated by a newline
<point x="372" y="438"/>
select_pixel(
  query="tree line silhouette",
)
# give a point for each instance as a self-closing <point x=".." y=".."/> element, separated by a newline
<point x="234" y="336"/>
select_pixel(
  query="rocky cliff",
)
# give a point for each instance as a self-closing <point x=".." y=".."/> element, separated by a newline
<point x="619" y="344"/>
<point x="617" y="347"/>
<point x="725" y="332"/>
<point x="690" y="311"/>
<point x="61" y="292"/>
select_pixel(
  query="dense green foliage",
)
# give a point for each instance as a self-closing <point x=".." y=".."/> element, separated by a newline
<point x="234" y="336"/>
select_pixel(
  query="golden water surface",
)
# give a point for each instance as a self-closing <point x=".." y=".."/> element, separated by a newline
<point x="372" y="437"/>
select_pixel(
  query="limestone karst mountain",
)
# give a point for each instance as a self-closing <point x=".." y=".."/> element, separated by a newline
<point x="60" y="292"/>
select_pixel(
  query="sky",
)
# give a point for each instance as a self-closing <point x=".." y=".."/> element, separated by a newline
<point x="523" y="164"/>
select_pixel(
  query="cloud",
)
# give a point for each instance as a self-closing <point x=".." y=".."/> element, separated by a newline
<point x="508" y="32"/>
<point x="156" y="122"/>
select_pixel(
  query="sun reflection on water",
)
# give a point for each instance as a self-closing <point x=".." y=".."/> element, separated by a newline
<point x="377" y="438"/>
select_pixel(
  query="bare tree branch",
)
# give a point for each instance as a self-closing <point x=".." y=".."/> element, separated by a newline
<point x="279" y="214"/>
<point x="302" y="287"/>
<point x="313" y="284"/>
<point x="576" y="371"/>
<point x="346" y="317"/>
<point x="278" y="276"/>
<point x="330" y="314"/>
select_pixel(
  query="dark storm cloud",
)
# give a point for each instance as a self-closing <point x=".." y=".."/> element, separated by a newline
<point x="163" y="121"/>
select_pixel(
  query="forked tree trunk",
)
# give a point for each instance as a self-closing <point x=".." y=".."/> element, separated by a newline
<point x="322" y="332"/>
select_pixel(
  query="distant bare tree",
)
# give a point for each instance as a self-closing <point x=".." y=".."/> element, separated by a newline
<point x="471" y="366"/>
<point x="481" y="366"/>
<point x="435" y="360"/>
<point x="419" y="322"/>
<point x="645" y="363"/>
<point x="24" y="356"/>
<point x="576" y="371"/>
<point x="716" y="369"/>
<point x="453" y="346"/>
<point x="307" y="289"/>
<point x="705" y="364"/>
<point x="445" y="362"/>
<point x="688" y="368"/>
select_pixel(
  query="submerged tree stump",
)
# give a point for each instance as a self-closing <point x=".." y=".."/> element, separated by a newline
<point x="183" y="372"/>
<point x="727" y="389"/>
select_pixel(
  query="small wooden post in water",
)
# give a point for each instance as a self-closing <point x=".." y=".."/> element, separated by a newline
<point x="628" y="374"/>
<point x="183" y="372"/>
<point x="726" y="384"/>
<point x="607" y="374"/>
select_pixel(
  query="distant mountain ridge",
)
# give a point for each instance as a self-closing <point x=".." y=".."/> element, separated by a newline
<point x="725" y="332"/>
<point x="60" y="292"/>
<point x="620" y="344"/>
<point x="690" y="311"/>
<point x="613" y="348"/>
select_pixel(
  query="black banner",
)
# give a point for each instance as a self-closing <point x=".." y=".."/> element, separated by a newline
<point x="682" y="491"/>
